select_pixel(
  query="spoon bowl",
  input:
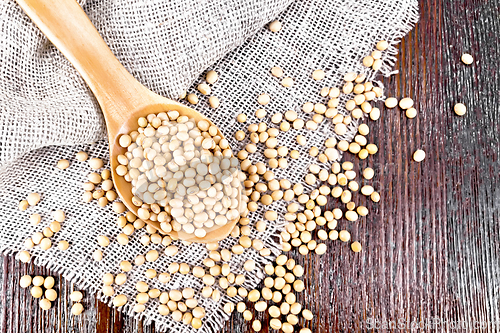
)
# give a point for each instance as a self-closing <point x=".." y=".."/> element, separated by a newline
<point x="124" y="188"/>
<point x="122" y="98"/>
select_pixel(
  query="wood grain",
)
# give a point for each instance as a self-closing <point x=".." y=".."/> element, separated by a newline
<point x="431" y="246"/>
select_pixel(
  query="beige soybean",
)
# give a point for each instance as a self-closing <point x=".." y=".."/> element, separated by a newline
<point x="45" y="304"/>
<point x="344" y="235"/>
<point x="25" y="281"/>
<point x="460" y="109"/>
<point x="108" y="279"/>
<point x="33" y="199"/>
<point x="363" y="129"/>
<point x="411" y="113"/>
<point x="277" y="72"/>
<point x="76" y="296"/>
<point x="260" y="113"/>
<point x="192" y="98"/>
<point x="324" y="91"/>
<point x="120" y="279"/>
<point x="35" y="219"/>
<point x="368" y="61"/>
<point x="287" y="82"/>
<point x="275" y="26"/>
<point x="253" y="295"/>
<point x="62" y="164"/>
<point x="263" y="99"/>
<point x="382" y="45"/>
<point x="391" y="102"/>
<point x="125" y="266"/>
<point x="150" y="273"/>
<point x="211" y="77"/>
<point x="467" y="58"/>
<point x="36" y="292"/>
<point x="97" y="255"/>
<point x="359" y="88"/>
<point x="103" y="241"/>
<point x="59" y="215"/>
<point x="256" y="325"/>
<point x="139" y="308"/>
<point x="198" y="312"/>
<point x="261" y="306"/>
<point x="47" y="232"/>
<point x="163" y="309"/>
<point x="241" y="118"/>
<point x="419" y="155"/>
<point x="287" y="327"/>
<point x="320" y="249"/>
<point x="108" y="291"/>
<point x="275" y="324"/>
<point x="368" y="173"/>
<point x="45" y="244"/>
<point x="81" y="156"/>
<point x="356" y="246"/>
<point x="349" y="77"/>
<point x="367" y="190"/>
<point x="214" y="102"/>
<point x="177" y="315"/>
<point x="95" y="163"/>
<point x="377" y="64"/>
<point x="228" y="307"/>
<point x="122" y="239"/>
<point x="77" y="309"/>
<point x="119" y="300"/>
<point x="406" y="103"/>
<point x="49" y="282"/>
<point x="362" y="211"/>
<point x="285" y="126"/>
<point x="351" y="215"/>
<point x="375" y="197"/>
<point x="307" y="314"/>
<point x="204" y="89"/>
<point x="94" y="178"/>
<point x="38" y="281"/>
<point x="318" y="75"/>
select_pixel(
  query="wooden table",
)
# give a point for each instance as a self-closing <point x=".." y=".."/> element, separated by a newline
<point x="431" y="251"/>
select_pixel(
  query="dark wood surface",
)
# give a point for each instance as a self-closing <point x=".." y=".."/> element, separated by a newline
<point x="431" y="246"/>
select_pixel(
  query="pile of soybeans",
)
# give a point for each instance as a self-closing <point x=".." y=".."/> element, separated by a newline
<point x="185" y="176"/>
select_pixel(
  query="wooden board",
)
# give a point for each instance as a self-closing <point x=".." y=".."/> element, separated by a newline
<point x="431" y="246"/>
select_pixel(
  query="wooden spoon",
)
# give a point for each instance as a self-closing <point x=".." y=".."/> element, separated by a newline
<point x="122" y="98"/>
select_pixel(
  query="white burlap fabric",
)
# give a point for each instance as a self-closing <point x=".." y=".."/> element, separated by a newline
<point x="167" y="45"/>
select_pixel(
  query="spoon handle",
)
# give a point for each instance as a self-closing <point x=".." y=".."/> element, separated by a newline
<point x="67" y="26"/>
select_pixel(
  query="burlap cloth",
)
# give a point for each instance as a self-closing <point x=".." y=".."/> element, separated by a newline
<point x="48" y="113"/>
